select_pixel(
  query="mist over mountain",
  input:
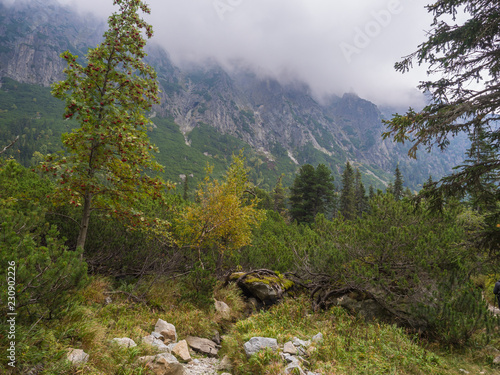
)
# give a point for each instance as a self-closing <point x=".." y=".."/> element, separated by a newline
<point x="282" y="121"/>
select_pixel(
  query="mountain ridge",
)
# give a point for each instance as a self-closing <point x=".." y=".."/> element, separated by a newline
<point x="273" y="118"/>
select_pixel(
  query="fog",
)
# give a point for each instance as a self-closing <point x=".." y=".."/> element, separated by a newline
<point x="333" y="46"/>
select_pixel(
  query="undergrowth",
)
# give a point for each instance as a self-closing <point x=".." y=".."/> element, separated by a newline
<point x="89" y="321"/>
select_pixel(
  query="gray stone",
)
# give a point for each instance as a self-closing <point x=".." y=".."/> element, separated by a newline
<point x="223" y="309"/>
<point x="294" y="368"/>
<point x="181" y="351"/>
<point x="167" y="330"/>
<point x="216" y="338"/>
<point x="255" y="344"/>
<point x="301" y="343"/>
<point x="288" y="357"/>
<point x="201" y="345"/>
<point x="289" y="348"/>
<point x="163" y="364"/>
<point x="151" y="340"/>
<point x="124" y="342"/>
<point x="496" y="360"/>
<point x="158" y="336"/>
<point x="77" y="356"/>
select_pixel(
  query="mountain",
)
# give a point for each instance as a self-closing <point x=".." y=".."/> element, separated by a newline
<point x="207" y="112"/>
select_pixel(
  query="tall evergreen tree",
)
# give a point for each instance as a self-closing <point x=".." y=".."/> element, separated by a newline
<point x="279" y="198"/>
<point x="360" y="193"/>
<point x="397" y="189"/>
<point x="371" y="192"/>
<point x="347" y="204"/>
<point x="312" y="193"/>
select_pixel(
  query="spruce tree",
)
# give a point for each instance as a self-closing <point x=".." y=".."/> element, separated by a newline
<point x="371" y="192"/>
<point x="360" y="193"/>
<point x="397" y="189"/>
<point x="464" y="97"/>
<point x="348" y="193"/>
<point x="312" y="193"/>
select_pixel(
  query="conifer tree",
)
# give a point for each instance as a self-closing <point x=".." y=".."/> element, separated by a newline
<point x="348" y="193"/>
<point x="464" y="97"/>
<point x="108" y="157"/>
<point x="397" y="189"/>
<point x="312" y="193"/>
<point x="279" y="198"/>
<point x="360" y="193"/>
<point x="371" y="192"/>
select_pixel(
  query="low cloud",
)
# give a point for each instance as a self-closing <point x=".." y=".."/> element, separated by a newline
<point x="334" y="47"/>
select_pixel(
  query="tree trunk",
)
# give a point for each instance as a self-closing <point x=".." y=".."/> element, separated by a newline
<point x="84" y="226"/>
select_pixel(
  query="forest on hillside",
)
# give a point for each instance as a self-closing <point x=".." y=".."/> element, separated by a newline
<point x="99" y="210"/>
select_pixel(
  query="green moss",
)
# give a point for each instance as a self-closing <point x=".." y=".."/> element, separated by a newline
<point x="268" y="280"/>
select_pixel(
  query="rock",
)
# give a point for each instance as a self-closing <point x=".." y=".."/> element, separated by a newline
<point x="158" y="336"/>
<point x="124" y="342"/>
<point x="256" y="344"/>
<point x="496" y="361"/>
<point x="267" y="287"/>
<point x="301" y="343"/>
<point x="201" y="345"/>
<point x="216" y="338"/>
<point x="223" y="309"/>
<point x="289" y="348"/>
<point x="167" y="330"/>
<point x="108" y="300"/>
<point x="151" y="340"/>
<point x="288" y="357"/>
<point x="294" y="368"/>
<point x="181" y="351"/>
<point x="163" y="364"/>
<point x="77" y="356"/>
<point x="317" y="338"/>
<point x="225" y="364"/>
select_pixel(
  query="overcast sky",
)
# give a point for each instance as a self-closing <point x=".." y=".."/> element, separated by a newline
<point x="334" y="46"/>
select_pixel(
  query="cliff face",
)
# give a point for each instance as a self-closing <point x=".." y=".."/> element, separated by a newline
<point x="260" y="111"/>
<point x="34" y="33"/>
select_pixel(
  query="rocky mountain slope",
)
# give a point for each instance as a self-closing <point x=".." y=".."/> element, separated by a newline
<point x="276" y="120"/>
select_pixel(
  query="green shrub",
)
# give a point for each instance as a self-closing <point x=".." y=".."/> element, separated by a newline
<point x="45" y="270"/>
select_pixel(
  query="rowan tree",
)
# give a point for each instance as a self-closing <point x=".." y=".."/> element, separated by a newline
<point x="108" y="156"/>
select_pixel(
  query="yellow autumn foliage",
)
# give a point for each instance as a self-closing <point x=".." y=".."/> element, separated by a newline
<point x="223" y="216"/>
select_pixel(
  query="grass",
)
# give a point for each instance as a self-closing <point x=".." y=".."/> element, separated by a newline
<point x="350" y="345"/>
